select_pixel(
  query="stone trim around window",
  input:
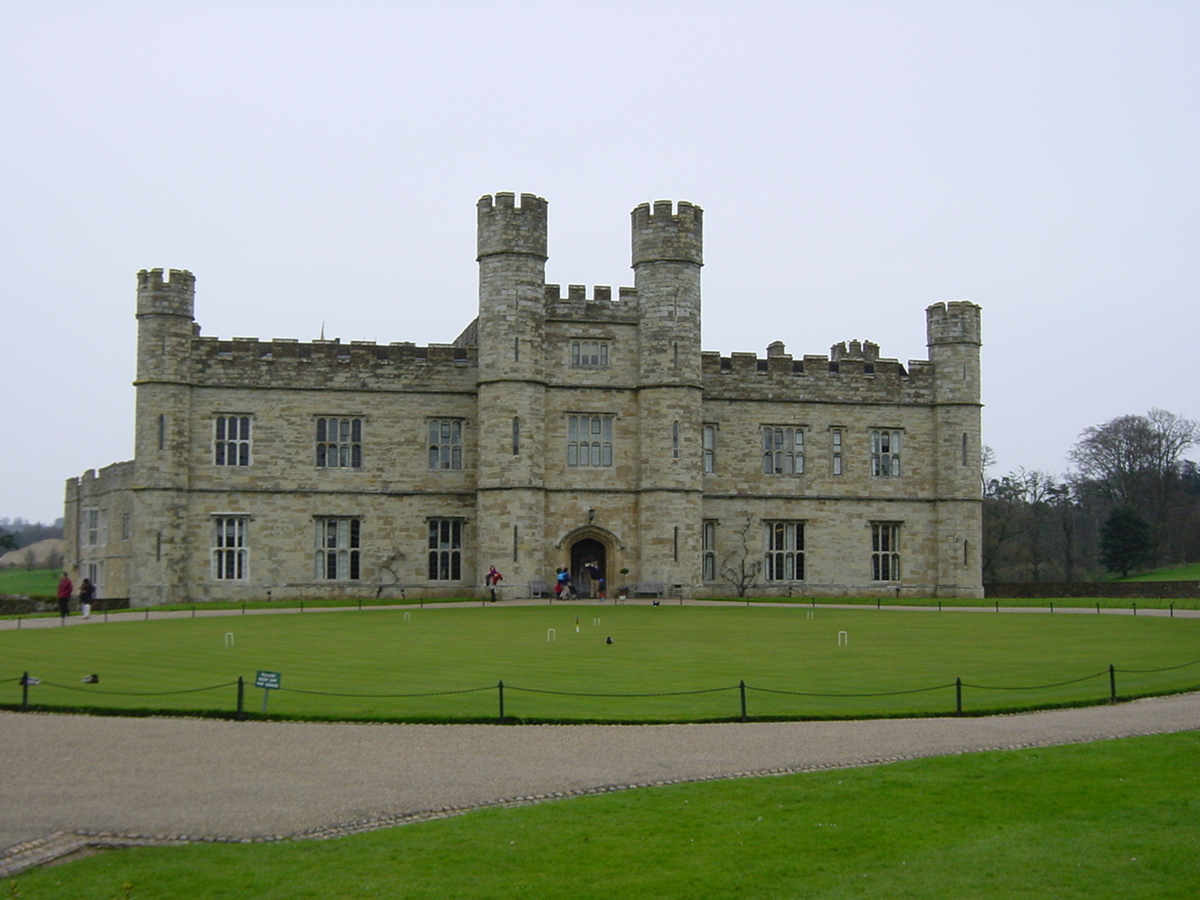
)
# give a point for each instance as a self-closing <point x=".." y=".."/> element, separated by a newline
<point x="231" y="439"/>
<point x="339" y="442"/>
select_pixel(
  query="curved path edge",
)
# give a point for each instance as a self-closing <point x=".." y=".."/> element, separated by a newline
<point x="104" y="782"/>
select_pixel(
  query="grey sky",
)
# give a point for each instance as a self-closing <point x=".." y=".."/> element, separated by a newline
<point x="319" y="163"/>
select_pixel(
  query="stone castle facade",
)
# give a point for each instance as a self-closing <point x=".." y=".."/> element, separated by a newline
<point x="556" y="430"/>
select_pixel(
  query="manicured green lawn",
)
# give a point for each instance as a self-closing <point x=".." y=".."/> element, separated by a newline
<point x="30" y="582"/>
<point x="1116" y="819"/>
<point x="666" y="663"/>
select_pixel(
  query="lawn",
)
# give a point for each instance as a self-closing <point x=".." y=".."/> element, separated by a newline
<point x="30" y="582"/>
<point x="667" y="663"/>
<point x="1114" y="819"/>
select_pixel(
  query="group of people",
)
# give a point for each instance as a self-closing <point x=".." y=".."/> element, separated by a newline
<point x="87" y="593"/>
<point x="564" y="587"/>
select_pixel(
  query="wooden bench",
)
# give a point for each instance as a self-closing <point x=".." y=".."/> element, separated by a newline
<point x="650" y="588"/>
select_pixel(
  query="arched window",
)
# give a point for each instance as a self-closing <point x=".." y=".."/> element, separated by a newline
<point x="516" y="435"/>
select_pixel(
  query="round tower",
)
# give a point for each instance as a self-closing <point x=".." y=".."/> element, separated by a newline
<point x="668" y="247"/>
<point x="165" y="309"/>
<point x="511" y="387"/>
<point x="668" y="243"/>
<point x="953" y="333"/>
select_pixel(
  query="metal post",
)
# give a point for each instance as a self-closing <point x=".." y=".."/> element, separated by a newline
<point x="1172" y="610"/>
<point x="1135" y="609"/>
<point x="1097" y="609"/>
<point x="241" y="707"/>
<point x="742" y="689"/>
<point x="958" y="696"/>
<point x="500" y="687"/>
<point x="1051" y="606"/>
<point x="1112" y="683"/>
<point x="25" y="691"/>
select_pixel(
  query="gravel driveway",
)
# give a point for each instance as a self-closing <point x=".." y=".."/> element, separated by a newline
<point x="116" y="782"/>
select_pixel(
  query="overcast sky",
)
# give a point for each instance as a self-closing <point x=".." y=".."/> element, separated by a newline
<point x="317" y="165"/>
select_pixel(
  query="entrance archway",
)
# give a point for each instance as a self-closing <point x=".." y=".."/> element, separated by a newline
<point x="584" y="551"/>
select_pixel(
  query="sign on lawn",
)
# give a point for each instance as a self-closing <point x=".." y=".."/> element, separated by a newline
<point x="268" y="680"/>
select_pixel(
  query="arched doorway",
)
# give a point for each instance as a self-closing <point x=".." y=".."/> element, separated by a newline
<point x="584" y="551"/>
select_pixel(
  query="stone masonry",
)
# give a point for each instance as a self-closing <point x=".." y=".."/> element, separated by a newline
<point x="558" y="429"/>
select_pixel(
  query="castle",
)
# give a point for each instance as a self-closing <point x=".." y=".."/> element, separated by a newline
<point x="556" y="430"/>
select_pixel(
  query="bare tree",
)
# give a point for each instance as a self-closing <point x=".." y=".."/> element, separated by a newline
<point x="742" y="566"/>
<point x="1136" y="462"/>
<point x="1003" y="521"/>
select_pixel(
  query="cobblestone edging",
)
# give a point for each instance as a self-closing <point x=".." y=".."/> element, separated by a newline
<point x="59" y="845"/>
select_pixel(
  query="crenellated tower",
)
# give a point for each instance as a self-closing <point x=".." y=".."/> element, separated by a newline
<point x="512" y="384"/>
<point x="165" y="316"/>
<point x="953" y="337"/>
<point x="668" y="243"/>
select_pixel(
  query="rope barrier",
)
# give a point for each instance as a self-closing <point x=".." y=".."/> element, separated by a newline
<point x="509" y="687"/>
<point x="71" y="687"/>
<point x="1035" y="687"/>
<point x="1164" y="669"/>
<point x="490" y="687"/>
<point x="938" y="687"/>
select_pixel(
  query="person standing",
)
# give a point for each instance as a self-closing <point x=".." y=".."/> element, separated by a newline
<point x="87" y="592"/>
<point x="596" y="574"/>
<point x="65" y="587"/>
<point x="492" y="579"/>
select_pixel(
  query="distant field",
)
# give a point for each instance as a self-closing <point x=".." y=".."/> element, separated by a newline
<point x="1176" y="573"/>
<point x="35" y="582"/>
<point x="667" y="663"/>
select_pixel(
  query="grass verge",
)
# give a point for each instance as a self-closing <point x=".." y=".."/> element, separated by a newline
<point x="1115" y="819"/>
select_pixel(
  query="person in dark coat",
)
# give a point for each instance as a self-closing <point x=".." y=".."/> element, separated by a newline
<point x="87" y="593"/>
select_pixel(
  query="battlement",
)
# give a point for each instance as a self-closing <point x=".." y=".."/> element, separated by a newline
<point x="956" y="322"/>
<point x="360" y="365"/>
<point x="853" y="371"/>
<point x="664" y="231"/>
<point x="577" y="293"/>
<point x="505" y="227"/>
<point x="864" y="350"/>
<point x="174" y="295"/>
<point x="177" y="280"/>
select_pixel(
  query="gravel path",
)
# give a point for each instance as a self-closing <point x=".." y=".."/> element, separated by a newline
<point x="118" y="782"/>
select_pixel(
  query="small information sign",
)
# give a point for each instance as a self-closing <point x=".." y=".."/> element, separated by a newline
<point x="268" y="681"/>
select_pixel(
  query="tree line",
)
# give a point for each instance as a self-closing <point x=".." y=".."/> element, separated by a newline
<point x="17" y="533"/>
<point x="1131" y="502"/>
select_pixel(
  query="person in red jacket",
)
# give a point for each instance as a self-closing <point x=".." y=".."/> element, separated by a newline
<point x="65" y="587"/>
<point x="493" y="578"/>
